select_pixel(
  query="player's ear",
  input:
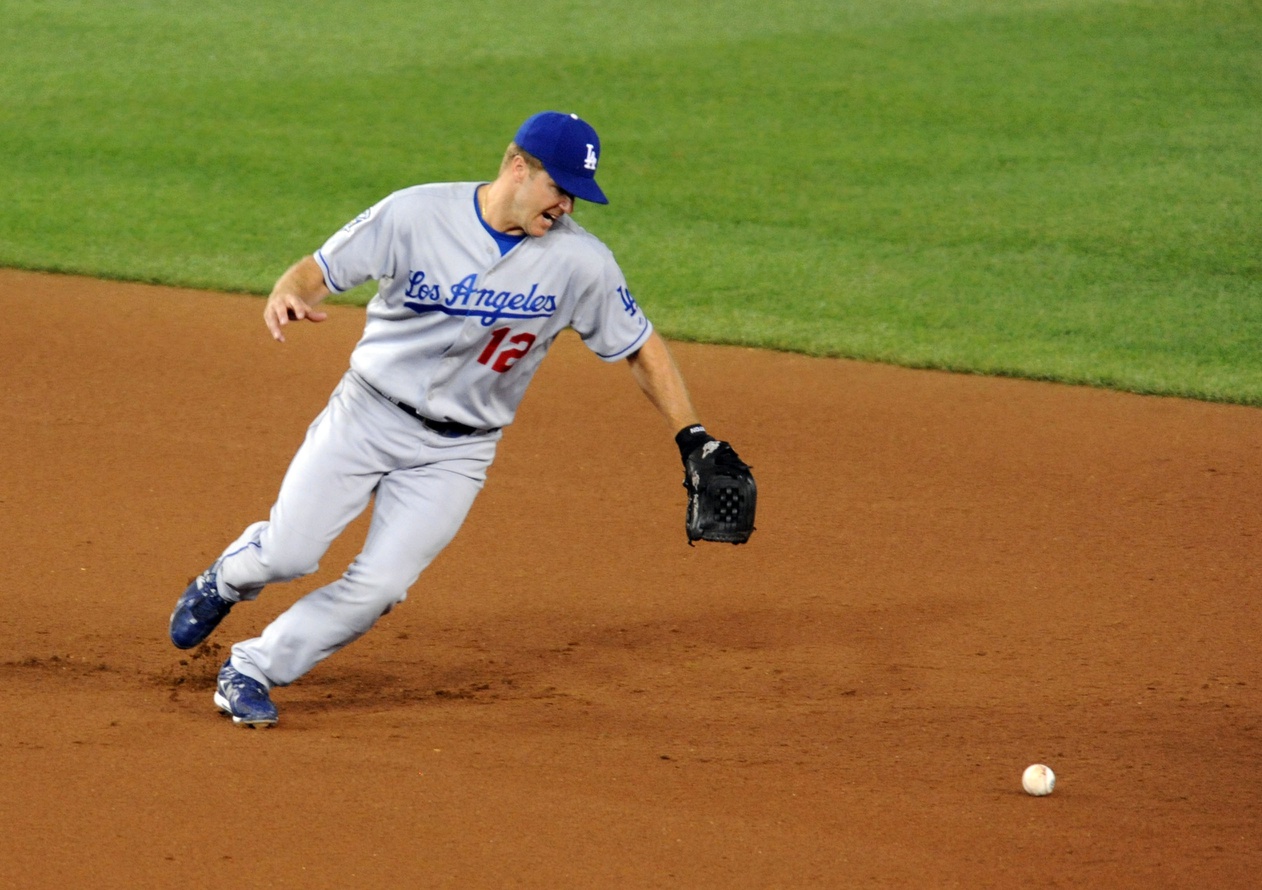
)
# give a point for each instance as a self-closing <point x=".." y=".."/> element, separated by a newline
<point x="520" y="169"/>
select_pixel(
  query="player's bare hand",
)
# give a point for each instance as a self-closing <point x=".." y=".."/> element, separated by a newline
<point x="282" y="308"/>
<point x="295" y="297"/>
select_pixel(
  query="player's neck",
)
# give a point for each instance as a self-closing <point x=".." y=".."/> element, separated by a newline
<point x="491" y="206"/>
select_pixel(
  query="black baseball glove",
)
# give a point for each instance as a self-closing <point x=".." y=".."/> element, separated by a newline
<point x="722" y="496"/>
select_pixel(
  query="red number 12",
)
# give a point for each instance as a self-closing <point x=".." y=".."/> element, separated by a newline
<point x="508" y="357"/>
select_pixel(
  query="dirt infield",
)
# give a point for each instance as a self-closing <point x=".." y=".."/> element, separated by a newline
<point x="953" y="577"/>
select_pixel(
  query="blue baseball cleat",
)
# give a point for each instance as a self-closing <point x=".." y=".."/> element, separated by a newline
<point x="244" y="698"/>
<point x="199" y="610"/>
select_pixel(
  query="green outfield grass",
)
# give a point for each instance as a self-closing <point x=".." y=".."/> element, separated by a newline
<point x="1060" y="190"/>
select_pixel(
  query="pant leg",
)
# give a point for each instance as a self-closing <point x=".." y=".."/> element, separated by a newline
<point x="416" y="513"/>
<point x="329" y="482"/>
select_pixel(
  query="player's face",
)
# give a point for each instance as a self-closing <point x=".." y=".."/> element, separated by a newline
<point x="542" y="202"/>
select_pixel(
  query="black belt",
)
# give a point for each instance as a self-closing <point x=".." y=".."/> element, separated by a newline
<point x="448" y="428"/>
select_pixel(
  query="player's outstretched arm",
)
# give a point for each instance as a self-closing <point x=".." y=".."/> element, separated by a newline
<point x="658" y="376"/>
<point x="722" y="495"/>
<point x="295" y="297"/>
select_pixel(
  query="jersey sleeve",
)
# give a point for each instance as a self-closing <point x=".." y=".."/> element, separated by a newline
<point x="608" y="319"/>
<point x="362" y="250"/>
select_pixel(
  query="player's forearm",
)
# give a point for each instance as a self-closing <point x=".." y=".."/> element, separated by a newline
<point x="304" y="279"/>
<point x="658" y="376"/>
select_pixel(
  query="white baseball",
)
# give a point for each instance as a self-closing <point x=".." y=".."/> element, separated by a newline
<point x="1038" y="780"/>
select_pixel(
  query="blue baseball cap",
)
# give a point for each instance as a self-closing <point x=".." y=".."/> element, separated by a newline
<point x="569" y="149"/>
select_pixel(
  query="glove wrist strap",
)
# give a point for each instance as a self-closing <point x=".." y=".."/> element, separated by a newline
<point x="690" y="438"/>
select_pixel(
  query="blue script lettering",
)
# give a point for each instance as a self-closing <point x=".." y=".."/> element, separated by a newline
<point x="490" y="305"/>
<point x="417" y="289"/>
<point x="462" y="290"/>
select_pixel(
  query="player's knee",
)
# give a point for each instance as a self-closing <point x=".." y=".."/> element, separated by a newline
<point x="379" y="589"/>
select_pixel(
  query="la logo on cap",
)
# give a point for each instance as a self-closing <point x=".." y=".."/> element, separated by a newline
<point x="590" y="163"/>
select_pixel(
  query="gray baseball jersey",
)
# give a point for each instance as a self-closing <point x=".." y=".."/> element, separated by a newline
<point x="456" y="329"/>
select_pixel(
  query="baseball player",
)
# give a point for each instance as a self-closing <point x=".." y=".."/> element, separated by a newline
<point x="475" y="281"/>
